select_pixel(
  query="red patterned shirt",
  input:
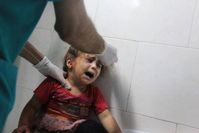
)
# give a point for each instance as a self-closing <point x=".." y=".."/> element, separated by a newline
<point x="64" y="110"/>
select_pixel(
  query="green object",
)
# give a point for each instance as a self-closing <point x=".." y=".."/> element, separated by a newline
<point x="18" y="19"/>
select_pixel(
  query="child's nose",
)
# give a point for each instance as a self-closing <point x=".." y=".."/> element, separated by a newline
<point x="94" y="65"/>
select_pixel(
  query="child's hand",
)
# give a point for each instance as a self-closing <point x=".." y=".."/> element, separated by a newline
<point x="22" y="129"/>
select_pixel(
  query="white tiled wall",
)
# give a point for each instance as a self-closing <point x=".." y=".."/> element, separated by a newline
<point x="165" y="84"/>
<point x="143" y="123"/>
<point x="195" y="28"/>
<point x="154" y="87"/>
<point x="160" y="21"/>
<point x="186" y="129"/>
<point x="116" y="81"/>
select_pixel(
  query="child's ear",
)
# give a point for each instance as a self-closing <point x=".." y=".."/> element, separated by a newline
<point x="69" y="63"/>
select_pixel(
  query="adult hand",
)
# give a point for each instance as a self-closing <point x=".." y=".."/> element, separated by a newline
<point x="74" y="26"/>
<point x="47" y="68"/>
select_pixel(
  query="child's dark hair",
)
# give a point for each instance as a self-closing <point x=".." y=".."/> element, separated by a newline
<point x="71" y="54"/>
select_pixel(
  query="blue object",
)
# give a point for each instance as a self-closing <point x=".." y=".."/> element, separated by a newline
<point x="18" y="19"/>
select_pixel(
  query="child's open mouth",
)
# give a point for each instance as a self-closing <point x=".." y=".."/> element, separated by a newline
<point x="89" y="74"/>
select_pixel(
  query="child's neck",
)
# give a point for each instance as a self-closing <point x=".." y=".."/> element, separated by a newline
<point x="76" y="88"/>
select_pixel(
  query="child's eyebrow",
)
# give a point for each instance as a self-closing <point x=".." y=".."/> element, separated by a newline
<point x="92" y="58"/>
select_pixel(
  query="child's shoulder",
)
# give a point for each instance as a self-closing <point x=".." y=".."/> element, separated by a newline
<point x="50" y="80"/>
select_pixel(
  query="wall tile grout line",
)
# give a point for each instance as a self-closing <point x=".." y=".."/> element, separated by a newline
<point x="176" y="128"/>
<point x="156" y="43"/>
<point x="132" y="78"/>
<point x="163" y="120"/>
<point x="191" y="28"/>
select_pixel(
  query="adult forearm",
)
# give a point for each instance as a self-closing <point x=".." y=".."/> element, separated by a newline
<point x="29" y="111"/>
<point x="26" y="117"/>
<point x="30" y="53"/>
<point x="75" y="27"/>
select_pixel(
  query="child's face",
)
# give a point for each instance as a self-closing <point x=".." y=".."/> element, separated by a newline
<point x="85" y="68"/>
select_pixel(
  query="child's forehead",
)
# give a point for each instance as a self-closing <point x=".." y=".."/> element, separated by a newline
<point x="87" y="56"/>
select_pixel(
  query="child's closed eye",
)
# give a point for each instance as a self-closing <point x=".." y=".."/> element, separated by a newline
<point x="91" y="59"/>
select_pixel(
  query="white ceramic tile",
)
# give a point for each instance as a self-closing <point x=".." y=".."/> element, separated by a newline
<point x="47" y="19"/>
<point x="41" y="39"/>
<point x="167" y="21"/>
<point x="58" y="50"/>
<point x="18" y="99"/>
<point x="22" y="97"/>
<point x="116" y="80"/>
<point x="185" y="129"/>
<point x="142" y="123"/>
<point x="28" y="76"/>
<point x="194" y="42"/>
<point x="165" y="84"/>
<point x="91" y="8"/>
<point x="11" y="123"/>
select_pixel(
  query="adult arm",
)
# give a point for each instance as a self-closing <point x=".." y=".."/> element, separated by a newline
<point x="109" y="122"/>
<point x="27" y="116"/>
<point x="42" y="64"/>
<point x="31" y="54"/>
<point x="75" y="27"/>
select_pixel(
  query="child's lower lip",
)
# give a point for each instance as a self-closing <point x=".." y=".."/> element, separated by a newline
<point x="87" y="77"/>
